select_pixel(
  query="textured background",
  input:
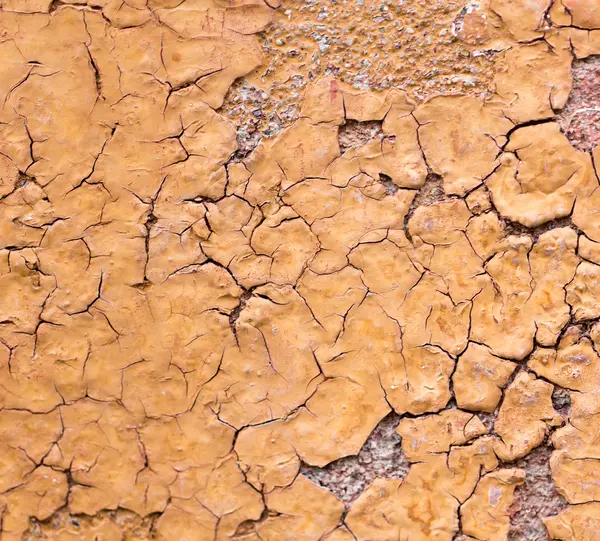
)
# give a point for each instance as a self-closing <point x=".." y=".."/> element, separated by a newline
<point x="324" y="270"/>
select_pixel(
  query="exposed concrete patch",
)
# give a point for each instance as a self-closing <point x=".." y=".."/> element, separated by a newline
<point x="377" y="44"/>
<point x="247" y="140"/>
<point x="536" y="498"/>
<point x="381" y="456"/>
<point x="251" y="104"/>
<point x="580" y="119"/>
<point x="354" y="134"/>
<point x="369" y="44"/>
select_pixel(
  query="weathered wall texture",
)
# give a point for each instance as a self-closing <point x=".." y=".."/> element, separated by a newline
<point x="325" y="270"/>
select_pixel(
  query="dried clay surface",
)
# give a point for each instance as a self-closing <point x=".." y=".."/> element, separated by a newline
<point x="314" y="270"/>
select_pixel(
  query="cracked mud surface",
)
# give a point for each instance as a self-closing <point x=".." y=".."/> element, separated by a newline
<point x="310" y="271"/>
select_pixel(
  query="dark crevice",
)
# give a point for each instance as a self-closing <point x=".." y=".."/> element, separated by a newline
<point x="148" y="224"/>
<point x="387" y="181"/>
<point x="235" y="313"/>
<point x="249" y="526"/>
<point x="561" y="401"/>
<point x="515" y="228"/>
<point x="524" y="125"/>
<point x="96" y="71"/>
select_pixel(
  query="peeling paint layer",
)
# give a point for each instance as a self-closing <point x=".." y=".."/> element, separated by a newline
<point x="372" y="313"/>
